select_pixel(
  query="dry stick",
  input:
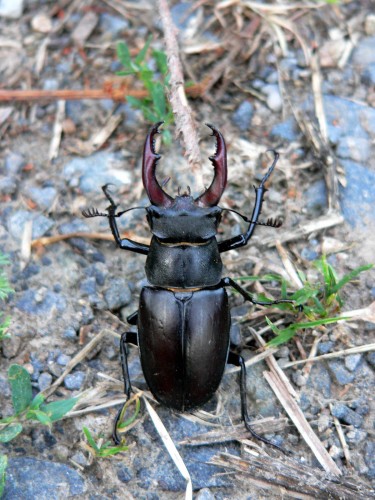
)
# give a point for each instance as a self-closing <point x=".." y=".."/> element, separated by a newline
<point x="73" y="362"/>
<point x="330" y="355"/>
<point x="287" y="396"/>
<point x="238" y="433"/>
<point x="342" y="439"/>
<point x="289" y="479"/>
<point x="185" y="124"/>
<point x="116" y="93"/>
<point x="49" y="240"/>
<point x="288" y="265"/>
<point x="325" y="221"/>
<point x="317" y="137"/>
<point x="57" y="131"/>
<point x="299" y="420"/>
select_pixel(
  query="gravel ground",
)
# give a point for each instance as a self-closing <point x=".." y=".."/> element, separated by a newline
<point x="66" y="292"/>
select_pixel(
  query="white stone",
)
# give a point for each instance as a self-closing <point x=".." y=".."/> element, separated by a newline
<point x="11" y="8"/>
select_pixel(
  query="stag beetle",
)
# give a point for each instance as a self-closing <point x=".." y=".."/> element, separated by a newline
<point x="183" y="318"/>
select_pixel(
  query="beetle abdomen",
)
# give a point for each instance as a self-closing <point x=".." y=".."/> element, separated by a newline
<point x="184" y="341"/>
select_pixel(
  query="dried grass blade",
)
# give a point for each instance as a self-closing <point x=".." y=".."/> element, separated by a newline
<point x="299" y="420"/>
<point x="171" y="448"/>
<point x="338" y="354"/>
<point x="57" y="130"/>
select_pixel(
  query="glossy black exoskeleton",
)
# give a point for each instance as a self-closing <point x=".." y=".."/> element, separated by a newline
<point x="183" y="318"/>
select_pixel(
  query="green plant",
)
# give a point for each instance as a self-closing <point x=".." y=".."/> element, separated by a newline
<point x="3" y="466"/>
<point x="105" y="449"/>
<point x="155" y="107"/>
<point x="101" y="449"/>
<point x="26" y="407"/>
<point x="321" y="300"/>
<point x="5" y="290"/>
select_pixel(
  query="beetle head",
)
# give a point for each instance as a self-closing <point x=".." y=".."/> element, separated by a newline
<point x="184" y="218"/>
<point x="155" y="192"/>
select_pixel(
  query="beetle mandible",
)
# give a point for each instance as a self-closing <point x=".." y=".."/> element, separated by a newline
<point x="183" y="318"/>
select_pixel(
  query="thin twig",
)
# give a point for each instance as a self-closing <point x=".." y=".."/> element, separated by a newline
<point x="342" y="439"/>
<point x="301" y="231"/>
<point x="330" y="355"/>
<point x="109" y="90"/>
<point x="49" y="240"/>
<point x="288" y="478"/>
<point x="185" y="124"/>
<point x="57" y="130"/>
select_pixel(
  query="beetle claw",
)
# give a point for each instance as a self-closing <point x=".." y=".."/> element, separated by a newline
<point x="212" y="195"/>
<point x="154" y="191"/>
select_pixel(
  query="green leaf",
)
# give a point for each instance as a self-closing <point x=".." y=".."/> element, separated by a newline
<point x="57" y="409"/>
<point x="350" y="276"/>
<point x="126" y="72"/>
<point x="131" y="419"/>
<point x="90" y="439"/>
<point x="328" y="272"/>
<point x="142" y="53"/>
<point x="3" y="328"/>
<point x="147" y="77"/>
<point x="39" y="415"/>
<point x="158" y="99"/>
<point x="284" y="336"/>
<point x="113" y="450"/>
<point x="161" y="61"/>
<point x="133" y="101"/>
<point x="10" y="432"/>
<point x="3" y="466"/>
<point x="149" y="115"/>
<point x="37" y="401"/>
<point x="19" y="380"/>
<point x="123" y="55"/>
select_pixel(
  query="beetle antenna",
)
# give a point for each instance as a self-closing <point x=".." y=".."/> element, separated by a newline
<point x="93" y="212"/>
<point x="277" y="222"/>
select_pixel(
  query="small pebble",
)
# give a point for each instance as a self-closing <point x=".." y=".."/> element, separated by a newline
<point x="370" y="25"/>
<point x="8" y="185"/>
<point x="63" y="359"/>
<point x="345" y="414"/>
<point x="43" y="197"/>
<point x="41" y="23"/>
<point x="117" y="294"/>
<point x="70" y="334"/>
<point x="44" y="381"/>
<point x="352" y="361"/>
<point x="356" y="436"/>
<point x="342" y="375"/>
<point x="243" y="115"/>
<point x="205" y="494"/>
<point x="123" y="473"/>
<point x="74" y="381"/>
<point x="299" y="378"/>
<point x="274" y="99"/>
<point x="336" y="452"/>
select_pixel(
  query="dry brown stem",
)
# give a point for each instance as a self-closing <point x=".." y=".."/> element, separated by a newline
<point x="112" y="89"/>
<point x="185" y="124"/>
<point x="287" y="478"/>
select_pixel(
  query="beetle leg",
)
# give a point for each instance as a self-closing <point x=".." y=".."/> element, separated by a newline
<point x="237" y="360"/>
<point x="123" y="243"/>
<point x="243" y="238"/>
<point x="126" y="338"/>
<point x="247" y="296"/>
<point x="132" y="319"/>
